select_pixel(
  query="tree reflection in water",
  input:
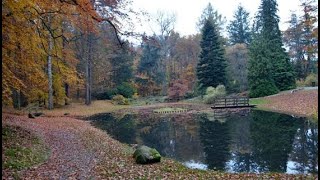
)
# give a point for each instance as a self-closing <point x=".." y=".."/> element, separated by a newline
<point x="255" y="141"/>
<point x="215" y="139"/>
<point x="305" y="149"/>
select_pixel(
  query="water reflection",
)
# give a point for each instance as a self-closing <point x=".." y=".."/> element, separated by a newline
<point x="215" y="138"/>
<point x="255" y="141"/>
<point x="272" y="136"/>
<point x="304" y="155"/>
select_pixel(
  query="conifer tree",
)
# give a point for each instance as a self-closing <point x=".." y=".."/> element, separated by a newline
<point x="209" y="13"/>
<point x="239" y="28"/>
<point x="149" y="62"/>
<point x="269" y="55"/>
<point x="211" y="67"/>
<point x="260" y="79"/>
<point x="122" y="62"/>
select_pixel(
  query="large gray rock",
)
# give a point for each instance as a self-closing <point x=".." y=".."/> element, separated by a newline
<point x="146" y="155"/>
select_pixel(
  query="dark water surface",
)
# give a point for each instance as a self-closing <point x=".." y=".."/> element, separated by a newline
<point x="253" y="141"/>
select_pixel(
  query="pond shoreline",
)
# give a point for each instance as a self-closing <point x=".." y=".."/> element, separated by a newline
<point x="186" y="137"/>
<point x="112" y="158"/>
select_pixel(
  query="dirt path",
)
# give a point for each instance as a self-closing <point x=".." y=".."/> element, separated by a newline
<point x="68" y="157"/>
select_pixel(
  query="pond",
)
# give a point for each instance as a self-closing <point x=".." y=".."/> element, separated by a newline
<point x="249" y="141"/>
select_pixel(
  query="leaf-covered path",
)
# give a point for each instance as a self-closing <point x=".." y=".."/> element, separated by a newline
<point x="68" y="157"/>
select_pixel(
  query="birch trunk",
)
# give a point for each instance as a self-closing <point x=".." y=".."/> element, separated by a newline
<point x="49" y="59"/>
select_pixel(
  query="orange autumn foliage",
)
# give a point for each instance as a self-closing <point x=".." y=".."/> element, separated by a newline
<point x="25" y="32"/>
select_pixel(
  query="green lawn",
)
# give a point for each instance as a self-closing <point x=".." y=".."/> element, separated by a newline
<point x="258" y="101"/>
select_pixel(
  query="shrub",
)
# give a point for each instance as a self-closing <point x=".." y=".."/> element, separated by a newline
<point x="308" y="81"/>
<point x="177" y="89"/>
<point x="120" y="100"/>
<point x="213" y="93"/>
<point x="311" y="78"/>
<point x="126" y="90"/>
<point x="300" y="83"/>
<point x="135" y="96"/>
<point x="108" y="94"/>
<point x="189" y="94"/>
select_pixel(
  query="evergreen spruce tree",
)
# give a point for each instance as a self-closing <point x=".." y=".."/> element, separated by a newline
<point x="239" y="28"/>
<point x="260" y="79"/>
<point x="149" y="62"/>
<point x="211" y="69"/>
<point x="122" y="62"/>
<point x="209" y="13"/>
<point x="269" y="52"/>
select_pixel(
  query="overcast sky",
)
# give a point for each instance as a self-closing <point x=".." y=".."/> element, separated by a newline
<point x="188" y="11"/>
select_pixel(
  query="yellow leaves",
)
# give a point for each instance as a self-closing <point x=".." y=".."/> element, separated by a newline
<point x="20" y="47"/>
<point x="10" y="79"/>
<point x="25" y="32"/>
<point x="69" y="56"/>
<point x="36" y="95"/>
<point x="68" y="73"/>
<point x="58" y="87"/>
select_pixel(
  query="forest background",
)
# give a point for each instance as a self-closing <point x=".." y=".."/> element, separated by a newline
<point x="56" y="52"/>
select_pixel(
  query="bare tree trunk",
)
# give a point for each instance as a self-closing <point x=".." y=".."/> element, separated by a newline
<point x="49" y="58"/>
<point x="78" y="93"/>
<point x="88" y="71"/>
<point x="19" y="99"/>
<point x="66" y="89"/>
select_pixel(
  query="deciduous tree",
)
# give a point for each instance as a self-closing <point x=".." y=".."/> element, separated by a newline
<point x="237" y="69"/>
<point x="309" y="34"/>
<point x="293" y="39"/>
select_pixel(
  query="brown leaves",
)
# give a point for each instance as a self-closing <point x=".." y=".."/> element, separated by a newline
<point x="80" y="151"/>
<point x="177" y="89"/>
<point x="68" y="157"/>
<point x="301" y="102"/>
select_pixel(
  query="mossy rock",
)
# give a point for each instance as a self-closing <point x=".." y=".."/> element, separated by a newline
<point x="146" y="155"/>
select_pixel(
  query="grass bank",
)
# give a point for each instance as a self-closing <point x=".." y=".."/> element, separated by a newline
<point x="21" y="149"/>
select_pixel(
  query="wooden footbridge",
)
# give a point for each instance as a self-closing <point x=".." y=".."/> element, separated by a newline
<point x="231" y="102"/>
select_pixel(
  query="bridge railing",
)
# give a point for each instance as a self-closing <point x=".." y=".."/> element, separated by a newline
<point x="231" y="102"/>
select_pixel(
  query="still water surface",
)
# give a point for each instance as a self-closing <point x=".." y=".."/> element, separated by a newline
<point x="254" y="141"/>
